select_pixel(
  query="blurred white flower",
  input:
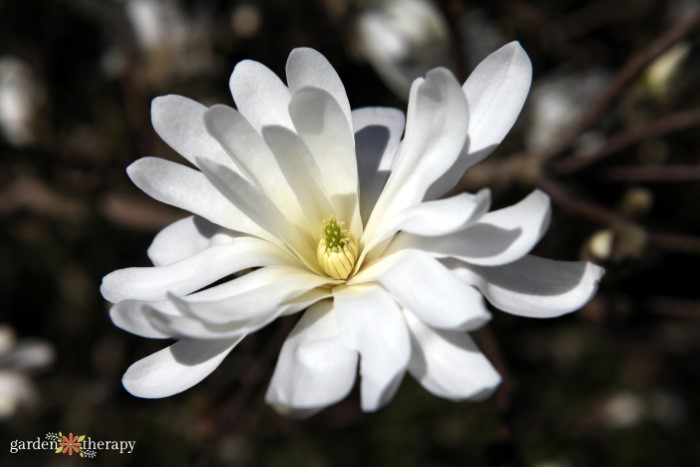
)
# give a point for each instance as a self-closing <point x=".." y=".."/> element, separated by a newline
<point x="175" y="43"/>
<point x="20" y="97"/>
<point x="558" y="101"/>
<point x="17" y="361"/>
<point x="345" y="219"/>
<point x="402" y="39"/>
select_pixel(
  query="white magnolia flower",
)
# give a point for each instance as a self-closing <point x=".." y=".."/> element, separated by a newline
<point x="344" y="219"/>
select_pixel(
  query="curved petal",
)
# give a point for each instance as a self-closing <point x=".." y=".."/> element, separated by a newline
<point x="428" y="219"/>
<point x="184" y="238"/>
<point x="129" y="316"/>
<point x="254" y="158"/>
<point x="308" y="68"/>
<point x="499" y="237"/>
<point x="188" y="189"/>
<point x="436" y="131"/>
<point x="191" y="273"/>
<point x="179" y="121"/>
<point x="179" y="326"/>
<point x="431" y="291"/>
<point x="314" y="369"/>
<point x="260" y="96"/>
<point x="373" y="325"/>
<point x="325" y="130"/>
<point x="378" y="131"/>
<point x="535" y="287"/>
<point x="258" y="207"/>
<point x="496" y="91"/>
<point x="257" y="293"/>
<point x="302" y="173"/>
<point x="176" y="368"/>
<point x="448" y="363"/>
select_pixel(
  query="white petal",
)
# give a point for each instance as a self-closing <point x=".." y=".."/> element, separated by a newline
<point x="302" y="173"/>
<point x="308" y="68"/>
<point x="496" y="91"/>
<point x="430" y="290"/>
<point x="258" y="293"/>
<point x="188" y="189"/>
<point x="184" y="238"/>
<point x="325" y="130"/>
<point x="176" y="368"/>
<point x="429" y="219"/>
<point x="499" y="237"/>
<point x="314" y="369"/>
<point x="184" y="326"/>
<point x="129" y="315"/>
<point x="372" y="324"/>
<point x="179" y="121"/>
<point x="536" y="287"/>
<point x="448" y="363"/>
<point x="436" y="131"/>
<point x="258" y="207"/>
<point x="250" y="153"/>
<point x="260" y="96"/>
<point x="192" y="273"/>
<point x="378" y="131"/>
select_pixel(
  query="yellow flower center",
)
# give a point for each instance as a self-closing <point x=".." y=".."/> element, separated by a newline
<point x="337" y="249"/>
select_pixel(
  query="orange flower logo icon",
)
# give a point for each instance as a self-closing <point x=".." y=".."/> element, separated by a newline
<point x="70" y="444"/>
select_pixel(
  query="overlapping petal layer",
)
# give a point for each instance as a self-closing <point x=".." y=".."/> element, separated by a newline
<point x="293" y="175"/>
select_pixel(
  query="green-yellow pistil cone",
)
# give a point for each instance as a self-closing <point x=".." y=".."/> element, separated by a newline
<point x="337" y="249"/>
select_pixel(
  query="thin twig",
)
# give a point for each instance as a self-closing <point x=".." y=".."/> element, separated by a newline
<point x="656" y="174"/>
<point x="598" y="213"/>
<point x="250" y="381"/>
<point x="628" y="137"/>
<point x="634" y="66"/>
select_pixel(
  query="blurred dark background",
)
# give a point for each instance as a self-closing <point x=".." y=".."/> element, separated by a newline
<point x="615" y="384"/>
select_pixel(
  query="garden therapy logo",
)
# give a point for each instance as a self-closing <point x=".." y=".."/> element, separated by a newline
<point x="80" y="445"/>
<point x="70" y="444"/>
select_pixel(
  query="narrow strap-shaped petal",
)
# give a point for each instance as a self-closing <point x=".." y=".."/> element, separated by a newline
<point x="257" y="293"/>
<point x="179" y="326"/>
<point x="448" y="363"/>
<point x="315" y="369"/>
<point x="496" y="91"/>
<point x="372" y="324"/>
<point x="192" y="273"/>
<point x="176" y="368"/>
<point x="179" y="121"/>
<point x="249" y="152"/>
<point x="431" y="291"/>
<point x="324" y="128"/>
<point x="188" y="189"/>
<point x="378" y="131"/>
<point x="303" y="175"/>
<point x="436" y="132"/>
<point x="129" y="316"/>
<point x="258" y="207"/>
<point x="260" y="96"/>
<point x="535" y="287"/>
<point x="499" y="237"/>
<point x="184" y="238"/>
<point x="430" y="219"/>
<point x="308" y="68"/>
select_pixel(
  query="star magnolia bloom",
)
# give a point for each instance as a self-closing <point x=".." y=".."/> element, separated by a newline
<point x="344" y="219"/>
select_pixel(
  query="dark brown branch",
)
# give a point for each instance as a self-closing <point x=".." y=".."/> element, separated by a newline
<point x="251" y="381"/>
<point x="659" y="174"/>
<point x="634" y="66"/>
<point x="599" y="213"/>
<point x="628" y="137"/>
